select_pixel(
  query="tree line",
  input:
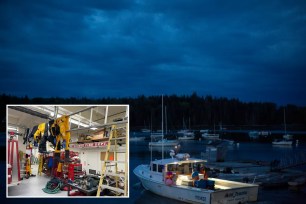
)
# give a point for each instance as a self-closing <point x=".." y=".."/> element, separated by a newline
<point x="196" y="112"/>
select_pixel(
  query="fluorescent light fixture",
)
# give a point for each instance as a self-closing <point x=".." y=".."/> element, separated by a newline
<point x="93" y="128"/>
<point x="12" y="128"/>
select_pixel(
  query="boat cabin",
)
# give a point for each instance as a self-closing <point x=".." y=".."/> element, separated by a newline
<point x="181" y="172"/>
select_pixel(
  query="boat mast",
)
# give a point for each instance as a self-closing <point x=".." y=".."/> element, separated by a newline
<point x="162" y="126"/>
<point x="166" y="119"/>
<point x="285" y="121"/>
<point x="151" y="142"/>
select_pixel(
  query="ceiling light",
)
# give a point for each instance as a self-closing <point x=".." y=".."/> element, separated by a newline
<point x="12" y="128"/>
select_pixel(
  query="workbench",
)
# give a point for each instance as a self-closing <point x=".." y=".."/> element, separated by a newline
<point x="91" y="192"/>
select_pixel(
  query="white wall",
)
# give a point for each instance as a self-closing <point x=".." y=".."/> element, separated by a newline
<point x="90" y="159"/>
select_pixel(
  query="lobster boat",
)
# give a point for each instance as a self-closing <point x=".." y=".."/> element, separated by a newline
<point x="185" y="179"/>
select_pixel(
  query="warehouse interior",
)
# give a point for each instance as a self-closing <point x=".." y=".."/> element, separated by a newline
<point x="67" y="150"/>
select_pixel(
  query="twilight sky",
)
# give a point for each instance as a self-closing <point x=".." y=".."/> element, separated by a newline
<point x="251" y="50"/>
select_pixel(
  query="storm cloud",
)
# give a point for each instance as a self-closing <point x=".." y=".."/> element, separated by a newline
<point x="251" y="50"/>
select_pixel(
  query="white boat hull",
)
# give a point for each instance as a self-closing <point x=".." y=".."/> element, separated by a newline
<point x="297" y="182"/>
<point x="196" y="195"/>
<point x="165" y="143"/>
<point x="135" y="139"/>
<point x="210" y="136"/>
<point x="282" y="143"/>
<point x="186" y="138"/>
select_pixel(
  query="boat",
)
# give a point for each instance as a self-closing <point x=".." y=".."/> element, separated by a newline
<point x="163" y="142"/>
<point x="264" y="133"/>
<point x="282" y="142"/>
<point x="210" y="136"/>
<point x="172" y="178"/>
<point x="229" y="142"/>
<point x="297" y="182"/>
<point x="157" y="135"/>
<point x="204" y="131"/>
<point x="145" y="130"/>
<point x="185" y="135"/>
<point x="279" y="181"/>
<point x="254" y="134"/>
<point x="136" y="139"/>
<point x="287" y="138"/>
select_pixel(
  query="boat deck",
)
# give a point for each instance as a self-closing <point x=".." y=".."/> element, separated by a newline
<point x="185" y="180"/>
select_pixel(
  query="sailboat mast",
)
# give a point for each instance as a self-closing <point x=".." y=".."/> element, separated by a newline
<point x="162" y="127"/>
<point x="166" y="119"/>
<point x="285" y="121"/>
<point x="151" y="142"/>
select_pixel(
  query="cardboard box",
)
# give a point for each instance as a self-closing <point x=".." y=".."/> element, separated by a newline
<point x="98" y="135"/>
<point x="110" y="156"/>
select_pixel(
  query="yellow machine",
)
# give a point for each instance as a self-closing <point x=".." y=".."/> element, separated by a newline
<point x="59" y="129"/>
<point x="41" y="136"/>
<point x="39" y="132"/>
<point x="28" y="166"/>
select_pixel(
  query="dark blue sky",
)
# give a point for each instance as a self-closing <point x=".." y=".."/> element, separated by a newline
<point x="251" y="50"/>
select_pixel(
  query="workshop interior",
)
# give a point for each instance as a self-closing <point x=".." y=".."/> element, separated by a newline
<point x="67" y="150"/>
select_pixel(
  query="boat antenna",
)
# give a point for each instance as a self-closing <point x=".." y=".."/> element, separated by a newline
<point x="162" y="126"/>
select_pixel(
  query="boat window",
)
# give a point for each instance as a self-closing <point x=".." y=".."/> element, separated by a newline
<point x="187" y="169"/>
<point x="160" y="168"/>
<point x="198" y="166"/>
<point x="154" y="167"/>
<point x="172" y="167"/>
<point x="180" y="169"/>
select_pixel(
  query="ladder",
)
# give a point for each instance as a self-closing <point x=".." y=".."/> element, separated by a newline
<point x="113" y="138"/>
<point x="40" y="163"/>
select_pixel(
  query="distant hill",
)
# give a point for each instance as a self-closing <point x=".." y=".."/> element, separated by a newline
<point x="202" y="112"/>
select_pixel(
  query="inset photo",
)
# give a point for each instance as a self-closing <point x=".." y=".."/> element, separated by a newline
<point x="67" y="151"/>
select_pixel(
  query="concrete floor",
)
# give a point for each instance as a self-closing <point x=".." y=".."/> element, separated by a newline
<point x="33" y="186"/>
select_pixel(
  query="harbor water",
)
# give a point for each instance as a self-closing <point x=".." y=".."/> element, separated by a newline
<point x="248" y="151"/>
<point x="245" y="151"/>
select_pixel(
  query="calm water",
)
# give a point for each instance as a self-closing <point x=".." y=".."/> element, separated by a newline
<point x="140" y="154"/>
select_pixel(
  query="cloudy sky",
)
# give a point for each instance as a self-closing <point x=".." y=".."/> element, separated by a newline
<point x="251" y="50"/>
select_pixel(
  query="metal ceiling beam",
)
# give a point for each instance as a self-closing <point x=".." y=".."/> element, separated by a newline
<point x="85" y="109"/>
<point x="31" y="112"/>
<point x="100" y="126"/>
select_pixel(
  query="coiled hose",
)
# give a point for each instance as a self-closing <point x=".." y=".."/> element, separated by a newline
<point x="53" y="186"/>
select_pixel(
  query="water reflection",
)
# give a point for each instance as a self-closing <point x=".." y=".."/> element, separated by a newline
<point x="151" y="198"/>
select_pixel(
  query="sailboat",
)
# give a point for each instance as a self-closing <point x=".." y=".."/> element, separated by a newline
<point x="163" y="142"/>
<point x="211" y="136"/>
<point x="145" y="129"/>
<point x="287" y="138"/>
<point x="185" y="134"/>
